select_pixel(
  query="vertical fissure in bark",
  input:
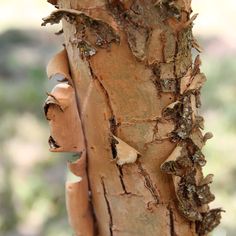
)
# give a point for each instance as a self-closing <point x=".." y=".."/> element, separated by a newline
<point x="148" y="183"/>
<point x="175" y="60"/>
<point x="113" y="128"/>
<point x="172" y="223"/>
<point x="113" y="125"/>
<point x="121" y="179"/>
<point x="163" y="46"/>
<point x="108" y="207"/>
<point x="107" y="98"/>
<point x="155" y="79"/>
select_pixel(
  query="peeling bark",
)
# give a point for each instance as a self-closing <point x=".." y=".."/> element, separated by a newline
<point x="130" y="105"/>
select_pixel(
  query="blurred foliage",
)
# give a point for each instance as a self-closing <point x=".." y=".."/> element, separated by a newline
<point x="32" y="182"/>
<point x="220" y="89"/>
<point x="23" y="81"/>
<point x="32" y="199"/>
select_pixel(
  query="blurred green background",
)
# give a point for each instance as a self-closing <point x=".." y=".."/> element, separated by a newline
<point x="32" y="179"/>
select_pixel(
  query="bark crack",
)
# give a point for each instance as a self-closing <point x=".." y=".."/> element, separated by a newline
<point x="112" y="120"/>
<point x="172" y="224"/>
<point x="148" y="183"/>
<point x="135" y="121"/>
<point x="107" y="98"/>
<point x="108" y="206"/>
<point x="175" y="58"/>
<point x="121" y="180"/>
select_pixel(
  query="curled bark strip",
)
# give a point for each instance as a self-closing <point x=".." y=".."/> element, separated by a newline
<point x="51" y="100"/>
<point x="192" y="197"/>
<point x="189" y="82"/>
<point x="197" y="82"/>
<point x="172" y="110"/>
<point x="182" y="161"/>
<point x="78" y="208"/>
<point x="207" y="136"/>
<point x="59" y="65"/>
<point x="185" y="162"/>
<point x="125" y="154"/>
<point x="100" y="33"/>
<point x="64" y="120"/>
<point x="196" y="45"/>
<point x="56" y="16"/>
<point x="191" y="20"/>
<point x="197" y="138"/>
<point x="57" y="98"/>
<point x="170" y="166"/>
<point x="207" y="180"/>
<point x="210" y="220"/>
<point x="67" y="136"/>
<point x="185" y="188"/>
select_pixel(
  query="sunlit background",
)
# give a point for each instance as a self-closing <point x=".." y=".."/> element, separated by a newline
<point x="32" y="179"/>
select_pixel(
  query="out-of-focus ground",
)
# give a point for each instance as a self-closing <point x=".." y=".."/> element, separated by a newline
<point x="32" y="179"/>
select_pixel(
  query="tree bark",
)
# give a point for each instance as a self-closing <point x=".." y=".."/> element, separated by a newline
<point x="129" y="106"/>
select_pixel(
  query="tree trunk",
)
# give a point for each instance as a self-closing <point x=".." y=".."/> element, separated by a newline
<point x="129" y="105"/>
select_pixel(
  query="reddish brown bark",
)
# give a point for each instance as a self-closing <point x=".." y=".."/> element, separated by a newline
<point x="136" y="93"/>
